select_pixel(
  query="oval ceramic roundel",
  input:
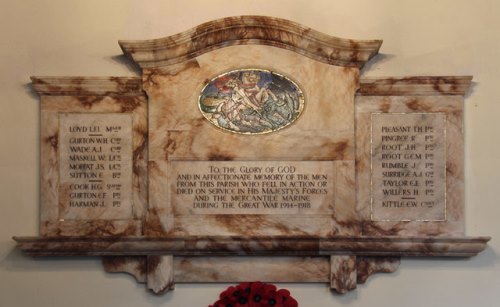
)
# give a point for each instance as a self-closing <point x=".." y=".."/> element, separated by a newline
<point x="251" y="101"/>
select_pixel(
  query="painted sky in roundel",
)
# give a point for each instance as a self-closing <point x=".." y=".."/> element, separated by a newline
<point x="251" y="101"/>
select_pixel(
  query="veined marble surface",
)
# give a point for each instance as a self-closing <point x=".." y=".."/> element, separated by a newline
<point x="178" y="131"/>
<point x="250" y="30"/>
<point x="160" y="239"/>
<point x="90" y="95"/>
<point x="419" y="95"/>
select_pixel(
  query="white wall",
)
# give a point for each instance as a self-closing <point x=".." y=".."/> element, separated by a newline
<point x="447" y="37"/>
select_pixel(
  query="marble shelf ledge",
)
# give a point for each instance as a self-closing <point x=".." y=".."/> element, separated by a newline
<point x="253" y="246"/>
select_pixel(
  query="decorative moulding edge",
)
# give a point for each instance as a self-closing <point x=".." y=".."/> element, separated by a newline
<point x="414" y="86"/>
<point x="253" y="246"/>
<point x="99" y="86"/>
<point x="368" y="86"/>
<point x="250" y="30"/>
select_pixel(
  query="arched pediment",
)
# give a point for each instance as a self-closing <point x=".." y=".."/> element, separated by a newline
<point x="250" y="30"/>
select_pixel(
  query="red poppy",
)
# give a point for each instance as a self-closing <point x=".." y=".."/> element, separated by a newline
<point x="269" y="295"/>
<point x="256" y="286"/>
<point x="267" y="289"/>
<point x="244" y="288"/>
<point x="256" y="294"/>
<point x="290" y="302"/>
<point x="229" y="295"/>
<point x="284" y="297"/>
<point x="219" y="303"/>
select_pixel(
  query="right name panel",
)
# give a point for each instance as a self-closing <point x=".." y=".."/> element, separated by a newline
<point x="409" y="156"/>
<point x="408" y="170"/>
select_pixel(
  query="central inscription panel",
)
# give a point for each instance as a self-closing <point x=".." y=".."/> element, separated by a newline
<point x="250" y="187"/>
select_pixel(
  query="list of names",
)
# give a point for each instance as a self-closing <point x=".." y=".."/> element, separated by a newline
<point x="408" y="166"/>
<point x="95" y="166"/>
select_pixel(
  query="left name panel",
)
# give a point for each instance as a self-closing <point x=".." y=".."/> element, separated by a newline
<point x="95" y="166"/>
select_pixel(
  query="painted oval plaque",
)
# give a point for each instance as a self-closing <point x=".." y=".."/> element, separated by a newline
<point x="251" y="101"/>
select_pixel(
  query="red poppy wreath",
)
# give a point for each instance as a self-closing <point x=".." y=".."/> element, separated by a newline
<point x="255" y="294"/>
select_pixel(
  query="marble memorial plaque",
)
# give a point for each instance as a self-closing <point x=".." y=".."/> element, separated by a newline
<point x="252" y="136"/>
<point x="408" y="167"/>
<point x="250" y="187"/>
<point x="95" y="168"/>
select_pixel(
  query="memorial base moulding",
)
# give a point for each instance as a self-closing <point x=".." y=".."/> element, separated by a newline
<point x="251" y="149"/>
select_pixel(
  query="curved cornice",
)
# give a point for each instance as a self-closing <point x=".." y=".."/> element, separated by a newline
<point x="250" y="30"/>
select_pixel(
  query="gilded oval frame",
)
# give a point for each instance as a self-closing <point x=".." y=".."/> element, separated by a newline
<point x="251" y="101"/>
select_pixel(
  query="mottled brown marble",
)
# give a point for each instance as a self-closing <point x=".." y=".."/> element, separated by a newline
<point x="253" y="246"/>
<point x="90" y="95"/>
<point x="92" y="227"/>
<point x="133" y="265"/>
<point x="250" y="30"/>
<point x="414" y="86"/>
<point x="343" y="273"/>
<point x="75" y="202"/>
<point x="84" y="86"/>
<point x="412" y="96"/>
<point x="163" y="242"/>
<point x="342" y="261"/>
<point x="185" y="203"/>
<point x="178" y="131"/>
<point x="160" y="273"/>
<point x="418" y="159"/>
<point x="156" y="271"/>
<point x="267" y="269"/>
<point x="367" y="266"/>
<point x="243" y="268"/>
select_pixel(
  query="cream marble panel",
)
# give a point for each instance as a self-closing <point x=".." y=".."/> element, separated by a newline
<point x="178" y="131"/>
<point x="408" y="175"/>
<point x="240" y="269"/>
<point x="51" y="107"/>
<point x="95" y="228"/>
<point x="186" y="145"/>
<point x="253" y="225"/>
<point x="248" y="187"/>
<point x="95" y="166"/>
<point x="345" y="218"/>
<point x="452" y="107"/>
<point x="328" y="90"/>
<point x="49" y="166"/>
<point x="165" y="217"/>
<point x="159" y="218"/>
